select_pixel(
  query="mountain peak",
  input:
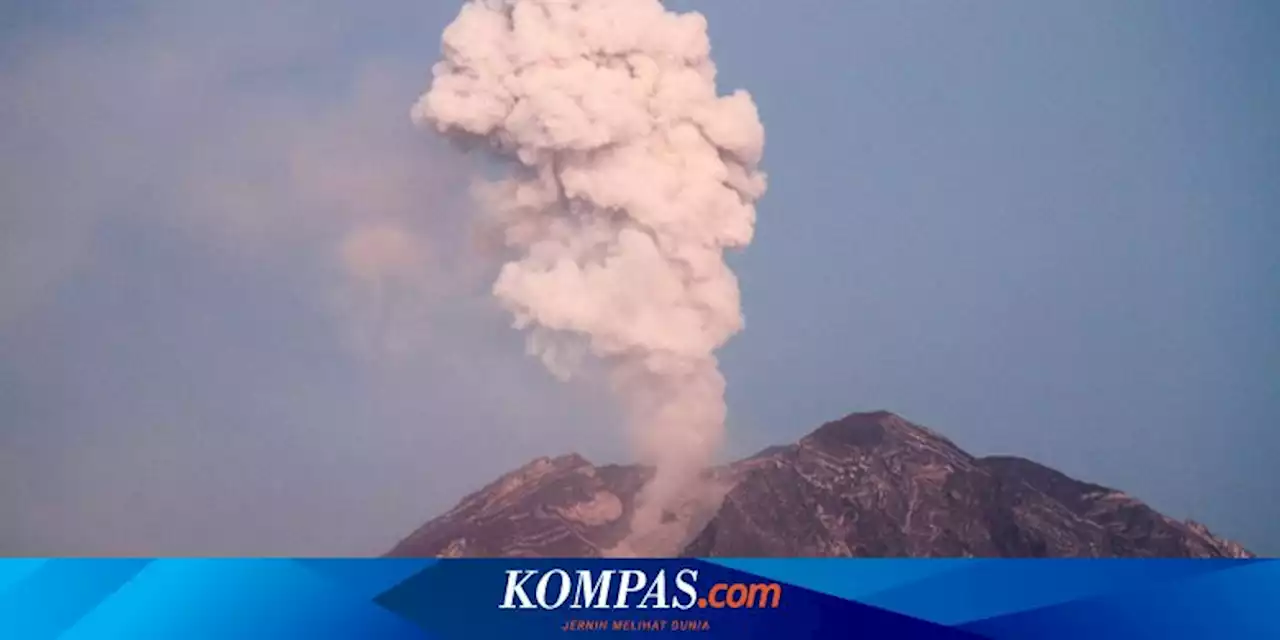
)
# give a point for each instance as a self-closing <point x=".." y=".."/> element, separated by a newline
<point x="855" y="429"/>
<point x="873" y="429"/>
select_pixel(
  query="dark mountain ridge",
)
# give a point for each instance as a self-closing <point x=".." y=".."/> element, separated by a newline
<point x="867" y="485"/>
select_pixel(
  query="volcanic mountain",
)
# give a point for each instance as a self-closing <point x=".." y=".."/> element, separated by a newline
<point x="867" y="485"/>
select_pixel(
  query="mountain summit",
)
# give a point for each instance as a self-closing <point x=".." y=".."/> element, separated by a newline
<point x="868" y="485"/>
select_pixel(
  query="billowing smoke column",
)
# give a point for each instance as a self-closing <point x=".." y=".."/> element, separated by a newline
<point x="630" y="177"/>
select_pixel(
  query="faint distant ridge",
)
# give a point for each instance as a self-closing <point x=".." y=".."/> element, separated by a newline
<point x="867" y="485"/>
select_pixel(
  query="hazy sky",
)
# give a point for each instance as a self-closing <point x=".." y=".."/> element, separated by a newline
<point x="240" y="311"/>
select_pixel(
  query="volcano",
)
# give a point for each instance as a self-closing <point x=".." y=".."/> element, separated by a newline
<point x="867" y="485"/>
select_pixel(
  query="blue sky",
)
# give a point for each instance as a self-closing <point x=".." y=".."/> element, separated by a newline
<point x="1041" y="229"/>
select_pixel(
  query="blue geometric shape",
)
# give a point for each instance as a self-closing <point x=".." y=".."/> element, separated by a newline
<point x="278" y="598"/>
<point x="367" y="578"/>
<point x="58" y="593"/>
<point x="224" y="598"/>
<point x="15" y="570"/>
<point x="459" y="599"/>
<point x="1238" y="602"/>
<point x="987" y="588"/>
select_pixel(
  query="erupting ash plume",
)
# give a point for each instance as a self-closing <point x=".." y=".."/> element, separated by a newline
<point x="629" y="179"/>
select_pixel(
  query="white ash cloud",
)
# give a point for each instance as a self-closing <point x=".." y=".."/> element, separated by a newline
<point x="629" y="177"/>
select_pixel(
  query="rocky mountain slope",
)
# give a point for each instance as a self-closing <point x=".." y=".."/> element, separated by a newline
<point x="870" y="484"/>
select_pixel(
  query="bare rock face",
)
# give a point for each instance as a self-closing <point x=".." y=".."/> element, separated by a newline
<point x="550" y="507"/>
<point x="868" y="485"/>
<point x="875" y="485"/>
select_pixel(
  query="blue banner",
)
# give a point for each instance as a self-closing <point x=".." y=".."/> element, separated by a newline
<point x="195" y="599"/>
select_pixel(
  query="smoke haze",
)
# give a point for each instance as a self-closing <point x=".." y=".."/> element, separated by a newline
<point x="238" y="311"/>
